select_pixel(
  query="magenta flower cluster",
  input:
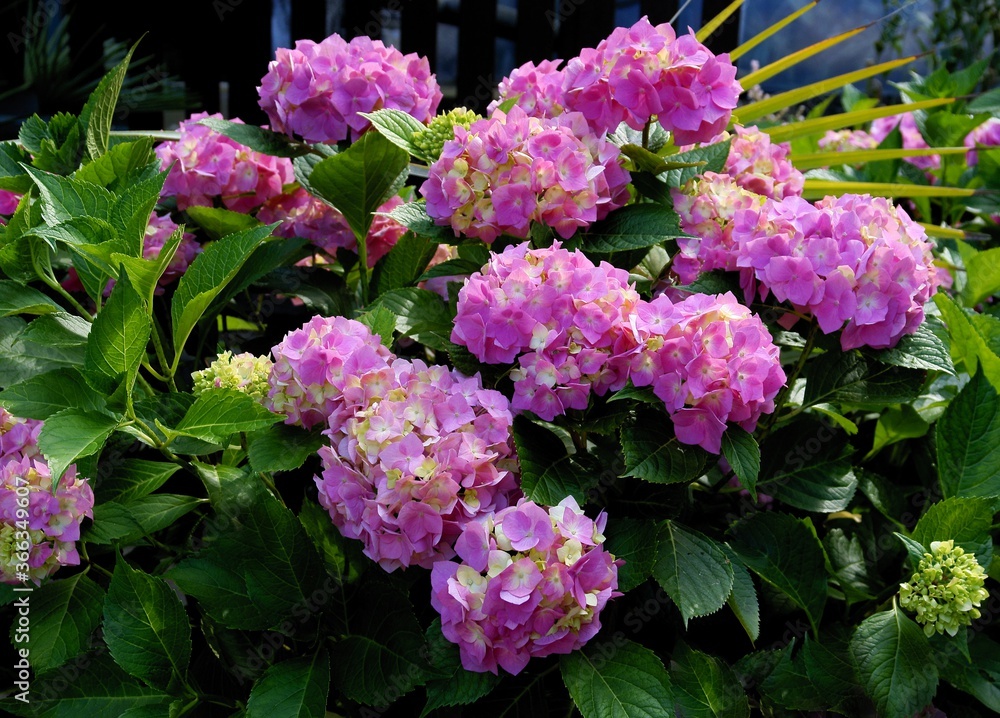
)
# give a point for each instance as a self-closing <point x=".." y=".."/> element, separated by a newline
<point x="317" y="91"/>
<point x="205" y="164"/>
<point x="856" y="259"/>
<point x="912" y="139"/>
<point x="531" y="582"/>
<point x="574" y="328"/>
<point x="8" y="203"/>
<point x="710" y="360"/>
<point x="561" y="316"/>
<point x="511" y="169"/>
<point x="985" y="135"/>
<point x="847" y="140"/>
<point x="35" y="521"/>
<point x="425" y="452"/>
<point x="761" y="166"/>
<point x="635" y="75"/>
<point x="158" y="231"/>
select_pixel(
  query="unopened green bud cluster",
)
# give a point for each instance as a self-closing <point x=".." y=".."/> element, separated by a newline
<point x="441" y="129"/>
<point x="243" y="372"/>
<point x="946" y="589"/>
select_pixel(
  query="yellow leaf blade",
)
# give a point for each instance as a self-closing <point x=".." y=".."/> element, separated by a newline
<point x="716" y="22"/>
<point x="813" y="160"/>
<point x="818" y="125"/>
<point x="770" y="31"/>
<point x="934" y="230"/>
<point x="817" y="189"/>
<point x="779" y="66"/>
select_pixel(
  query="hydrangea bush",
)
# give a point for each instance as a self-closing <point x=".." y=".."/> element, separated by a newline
<point x="624" y="399"/>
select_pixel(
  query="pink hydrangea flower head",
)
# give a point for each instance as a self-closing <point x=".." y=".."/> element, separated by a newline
<point x="439" y="285"/>
<point x="760" y="166"/>
<point x="985" y="135"/>
<point x="847" y="140"/>
<point x="205" y="165"/>
<point x="710" y="360"/>
<point x="385" y="231"/>
<point x="563" y="318"/>
<point x="317" y="91"/>
<point x="538" y="88"/>
<point x="912" y="139"/>
<point x="316" y="376"/>
<point x="707" y="205"/>
<point x="18" y="437"/>
<point x="856" y="259"/>
<point x="158" y="231"/>
<point x="8" y="203"/>
<point x="531" y="581"/>
<point x="302" y="215"/>
<point x="642" y="72"/>
<point x="32" y="513"/>
<point x="510" y="170"/>
<point x="424" y="451"/>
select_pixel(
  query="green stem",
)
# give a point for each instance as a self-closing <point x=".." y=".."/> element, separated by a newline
<point x="782" y="397"/>
<point x="55" y="286"/>
<point x="161" y="356"/>
<point x="363" y="268"/>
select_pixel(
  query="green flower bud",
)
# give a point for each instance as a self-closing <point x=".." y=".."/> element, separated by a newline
<point x="441" y="129"/>
<point x="946" y="589"/>
<point x="243" y="372"/>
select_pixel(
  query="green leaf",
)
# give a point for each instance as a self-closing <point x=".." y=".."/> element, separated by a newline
<point x="895" y="663"/>
<point x="146" y="627"/>
<point x="789" y="685"/>
<point x="58" y="330"/>
<point x="72" y="434"/>
<point x="219" y="222"/>
<point x="785" y="553"/>
<point x="397" y="127"/>
<point x="99" y="111"/>
<point x="970" y="340"/>
<point x="413" y="216"/>
<point x="637" y="226"/>
<point x="144" y="274"/>
<point x="404" y="263"/>
<point x="705" y="687"/>
<point x="343" y="557"/>
<point x="294" y="687"/>
<point x="418" y="311"/>
<point x="922" y="350"/>
<point x="220" y="413"/>
<point x="652" y="453"/>
<point x="121" y="163"/>
<point x="221" y="591"/>
<point x="914" y="549"/>
<point x="847" y="559"/>
<point x="635" y="541"/>
<point x="897" y="424"/>
<point x="982" y="275"/>
<point x="63" y="615"/>
<point x="359" y="179"/>
<point x="831" y="670"/>
<point x="618" y="679"/>
<point x="64" y="198"/>
<point x="968" y="441"/>
<point x="714" y="159"/>
<point x="208" y="275"/>
<point x="99" y="689"/>
<point x="117" y="343"/>
<point x="281" y="447"/>
<point x="21" y="358"/>
<point x="978" y="676"/>
<point x="824" y="482"/>
<point x="256" y="138"/>
<point x="46" y="394"/>
<point x="382" y="323"/>
<point x="693" y="570"/>
<point x="548" y="472"/>
<point x="456" y="686"/>
<point x="384" y="656"/>
<point x="458" y="268"/>
<point x="967" y="521"/>
<point x="743" y="600"/>
<point x="15" y="298"/>
<point x="741" y="451"/>
<point x="848" y="378"/>
<point x="133" y="479"/>
<point x="127" y="522"/>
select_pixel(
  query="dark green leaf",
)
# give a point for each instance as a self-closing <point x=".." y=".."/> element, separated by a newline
<point x="413" y="216"/>
<point x="743" y="600"/>
<point x="117" y="343"/>
<point x="72" y="434"/>
<point x="63" y="615"/>
<point x="133" y="479"/>
<point x="971" y="340"/>
<point x="705" y="687"/>
<point x="15" y="298"/>
<point x="548" y="473"/>
<point x="21" y="359"/>
<point x="743" y="454"/>
<point x="456" y="686"/>
<point x="922" y="350"/>
<point x="58" y="330"/>
<point x="46" y="394"/>
<point x="968" y="441"/>
<point x="382" y="323"/>
<point x="221" y="591"/>
<point x="359" y="179"/>
<point x="220" y="413"/>
<point x="635" y="541"/>
<point x="895" y="663"/>
<point x="847" y="558"/>
<point x="64" y="198"/>
<point x="120" y="164"/>
<point x="457" y="268"/>
<point x="713" y="157"/>
<point x="617" y="679"/>
<point x="256" y="138"/>
<point x="281" y="447"/>
<point x="823" y="481"/>
<point x="830" y="669"/>
<point x="693" y="570"/>
<point x="652" y="453"/>
<point x="397" y="127"/>
<point x="294" y="687"/>
<point x="789" y="685"/>
<point x="847" y="378"/>
<point x="404" y="263"/>
<point x="127" y="522"/>
<point x="384" y="656"/>
<point x="966" y="521"/>
<point x="99" y="111"/>
<point x="638" y="226"/>
<point x="219" y="222"/>
<point x="146" y="627"/>
<point x="785" y="552"/>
